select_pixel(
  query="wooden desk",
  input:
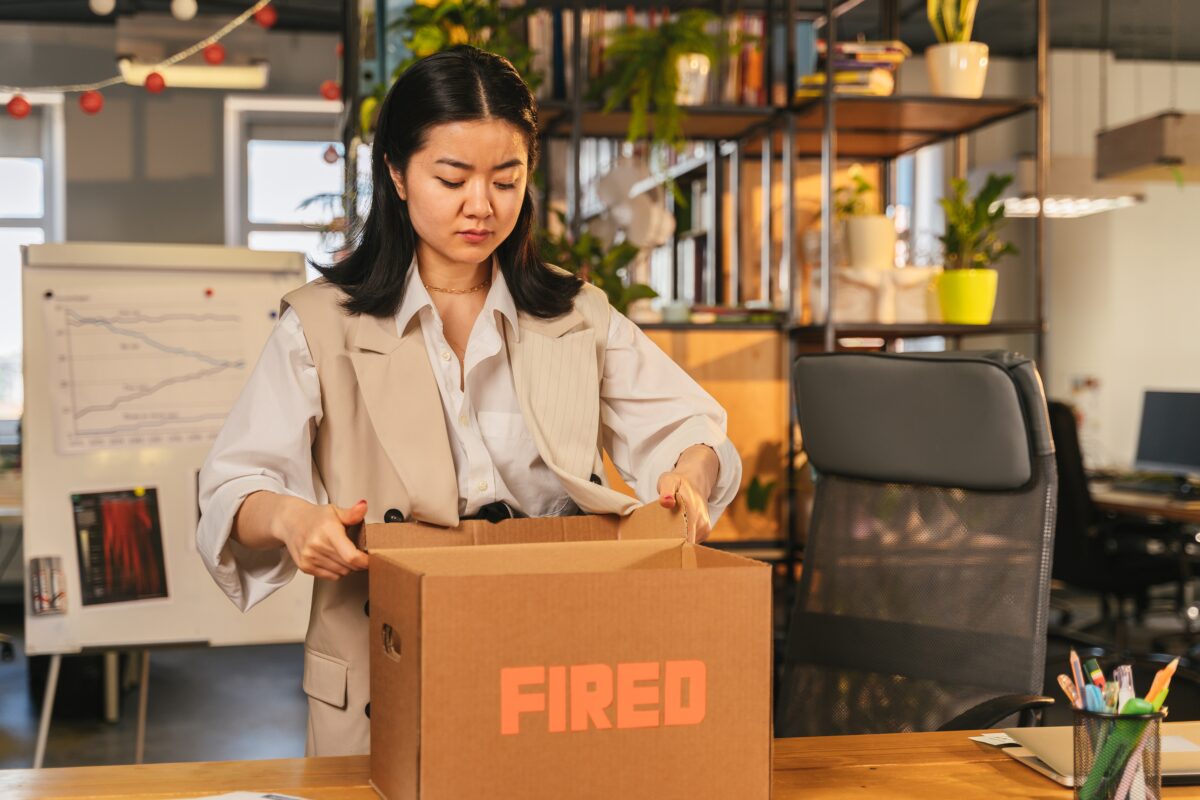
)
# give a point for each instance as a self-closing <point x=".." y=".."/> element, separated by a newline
<point x="922" y="766"/>
<point x="1138" y="504"/>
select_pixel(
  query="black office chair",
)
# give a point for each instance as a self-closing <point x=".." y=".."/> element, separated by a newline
<point x="1113" y="558"/>
<point x="923" y="599"/>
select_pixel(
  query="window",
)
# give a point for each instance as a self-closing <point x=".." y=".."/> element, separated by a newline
<point x="284" y="175"/>
<point x="31" y="174"/>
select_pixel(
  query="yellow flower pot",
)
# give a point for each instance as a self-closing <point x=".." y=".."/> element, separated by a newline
<point x="968" y="296"/>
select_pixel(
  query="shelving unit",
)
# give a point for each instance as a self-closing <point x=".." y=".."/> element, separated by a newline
<point x="828" y="128"/>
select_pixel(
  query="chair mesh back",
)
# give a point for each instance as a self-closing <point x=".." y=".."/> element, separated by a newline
<point x="917" y="603"/>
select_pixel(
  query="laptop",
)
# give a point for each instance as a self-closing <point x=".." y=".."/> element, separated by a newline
<point x="1050" y="751"/>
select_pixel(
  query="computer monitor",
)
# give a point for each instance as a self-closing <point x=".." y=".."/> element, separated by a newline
<point x="1170" y="436"/>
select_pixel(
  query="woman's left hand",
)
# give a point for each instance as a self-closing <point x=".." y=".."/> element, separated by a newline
<point x="674" y="487"/>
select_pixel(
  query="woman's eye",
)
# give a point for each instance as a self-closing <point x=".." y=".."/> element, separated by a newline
<point x="451" y="184"/>
<point x="506" y="185"/>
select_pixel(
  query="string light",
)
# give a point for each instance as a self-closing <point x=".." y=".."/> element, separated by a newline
<point x="233" y="24"/>
<point x="183" y="9"/>
<point x="91" y="101"/>
<point x="215" y="53"/>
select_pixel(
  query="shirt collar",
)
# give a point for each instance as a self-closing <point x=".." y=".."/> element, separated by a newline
<point x="416" y="297"/>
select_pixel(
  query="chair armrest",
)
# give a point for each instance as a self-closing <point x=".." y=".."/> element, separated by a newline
<point x="989" y="713"/>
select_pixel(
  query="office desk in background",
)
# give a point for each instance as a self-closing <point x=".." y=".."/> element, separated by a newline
<point x="1145" y="505"/>
<point x="922" y="766"/>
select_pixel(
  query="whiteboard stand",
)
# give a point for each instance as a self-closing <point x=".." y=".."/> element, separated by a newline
<point x="39" y="755"/>
<point x="112" y="686"/>
<point x="143" y="701"/>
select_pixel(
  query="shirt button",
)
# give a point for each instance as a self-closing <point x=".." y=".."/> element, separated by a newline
<point x="446" y="356"/>
<point x="483" y="486"/>
<point x="463" y="419"/>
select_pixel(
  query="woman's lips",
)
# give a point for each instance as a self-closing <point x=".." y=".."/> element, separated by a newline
<point x="474" y="237"/>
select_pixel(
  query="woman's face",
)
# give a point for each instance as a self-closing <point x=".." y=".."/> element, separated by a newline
<point x="464" y="189"/>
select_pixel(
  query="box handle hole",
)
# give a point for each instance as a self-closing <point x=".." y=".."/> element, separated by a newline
<point x="391" y="642"/>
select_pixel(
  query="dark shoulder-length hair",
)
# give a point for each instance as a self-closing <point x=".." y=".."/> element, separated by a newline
<point x="456" y="85"/>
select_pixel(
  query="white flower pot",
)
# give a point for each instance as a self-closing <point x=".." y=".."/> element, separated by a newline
<point x="872" y="240"/>
<point x="693" y="79"/>
<point x="957" y="69"/>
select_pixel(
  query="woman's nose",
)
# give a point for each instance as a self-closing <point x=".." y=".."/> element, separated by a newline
<point x="478" y="204"/>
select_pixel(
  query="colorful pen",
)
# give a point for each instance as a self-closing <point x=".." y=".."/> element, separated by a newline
<point x="1095" y="673"/>
<point x="1068" y="687"/>
<point x="1161" y="680"/>
<point x="1077" y="673"/>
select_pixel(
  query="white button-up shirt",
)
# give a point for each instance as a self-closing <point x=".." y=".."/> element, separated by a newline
<point x="651" y="411"/>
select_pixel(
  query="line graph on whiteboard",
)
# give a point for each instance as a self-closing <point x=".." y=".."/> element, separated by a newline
<point x="130" y="374"/>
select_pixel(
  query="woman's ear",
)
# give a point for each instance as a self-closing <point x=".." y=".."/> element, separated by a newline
<point x="397" y="179"/>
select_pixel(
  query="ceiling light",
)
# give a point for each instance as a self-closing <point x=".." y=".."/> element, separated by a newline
<point x="189" y="76"/>
<point x="1067" y="207"/>
<point x="1071" y="189"/>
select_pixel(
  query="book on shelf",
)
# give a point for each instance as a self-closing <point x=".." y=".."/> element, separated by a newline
<point x="860" y="68"/>
<point x="874" y="82"/>
<point x="892" y="50"/>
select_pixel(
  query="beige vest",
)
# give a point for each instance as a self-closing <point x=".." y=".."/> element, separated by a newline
<point x="383" y="437"/>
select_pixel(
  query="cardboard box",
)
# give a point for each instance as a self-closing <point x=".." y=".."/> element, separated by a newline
<point x="612" y="660"/>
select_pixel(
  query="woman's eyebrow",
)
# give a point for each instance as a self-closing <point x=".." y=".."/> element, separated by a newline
<point x="453" y="162"/>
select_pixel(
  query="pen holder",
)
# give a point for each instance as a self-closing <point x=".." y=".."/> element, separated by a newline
<point x="1117" y="757"/>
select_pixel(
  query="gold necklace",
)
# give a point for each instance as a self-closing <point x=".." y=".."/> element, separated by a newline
<point x="484" y="285"/>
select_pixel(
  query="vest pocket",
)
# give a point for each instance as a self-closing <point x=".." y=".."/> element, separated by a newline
<point x="325" y="678"/>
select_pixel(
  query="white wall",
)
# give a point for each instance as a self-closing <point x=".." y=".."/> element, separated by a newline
<point x="1123" y="287"/>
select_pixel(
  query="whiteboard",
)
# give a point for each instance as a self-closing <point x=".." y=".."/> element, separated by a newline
<point x="133" y="354"/>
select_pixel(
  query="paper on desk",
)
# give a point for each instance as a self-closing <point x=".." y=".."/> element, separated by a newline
<point x="994" y="739"/>
<point x="249" y="796"/>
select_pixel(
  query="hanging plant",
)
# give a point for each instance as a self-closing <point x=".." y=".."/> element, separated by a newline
<point x="641" y="70"/>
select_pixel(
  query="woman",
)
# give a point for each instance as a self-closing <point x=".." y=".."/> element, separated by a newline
<point x="441" y="371"/>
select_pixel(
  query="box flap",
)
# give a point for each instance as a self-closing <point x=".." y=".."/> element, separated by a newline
<point x="650" y="521"/>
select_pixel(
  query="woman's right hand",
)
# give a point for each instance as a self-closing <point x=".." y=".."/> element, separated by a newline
<point x="316" y="538"/>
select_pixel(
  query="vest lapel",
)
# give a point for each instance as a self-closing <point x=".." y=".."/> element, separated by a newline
<point x="555" y="376"/>
<point x="404" y="404"/>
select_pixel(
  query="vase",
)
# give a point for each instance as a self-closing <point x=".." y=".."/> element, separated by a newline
<point x="957" y="69"/>
<point x="872" y="241"/>
<point x="967" y="296"/>
<point x="693" y="79"/>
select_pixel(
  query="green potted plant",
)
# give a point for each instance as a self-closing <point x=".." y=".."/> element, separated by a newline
<point x="643" y="70"/>
<point x="591" y="260"/>
<point x="967" y="286"/>
<point x="870" y="237"/>
<point x="957" y="66"/>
